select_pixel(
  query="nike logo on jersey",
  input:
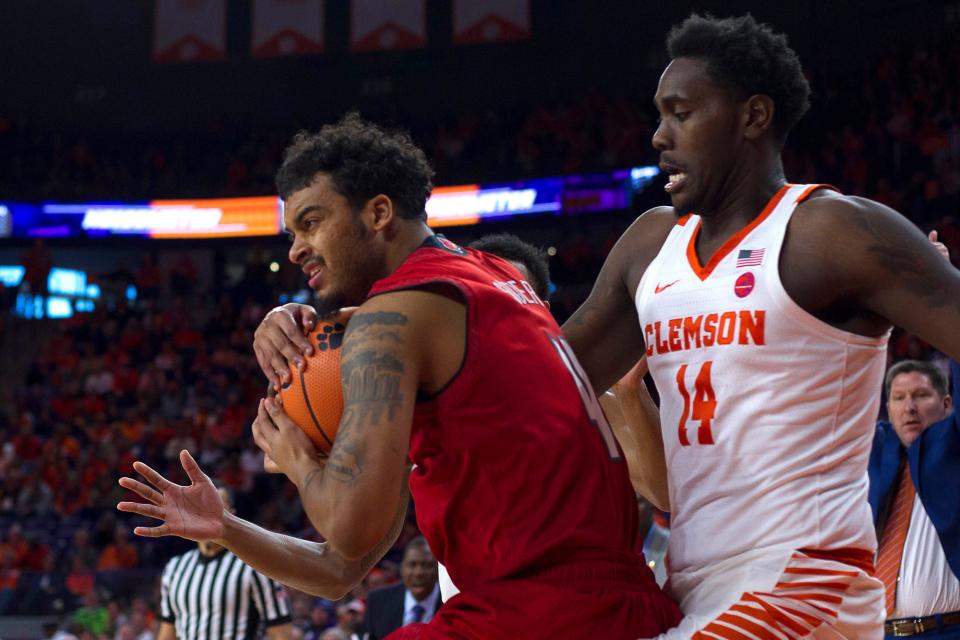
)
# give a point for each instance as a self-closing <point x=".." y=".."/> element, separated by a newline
<point x="660" y="288"/>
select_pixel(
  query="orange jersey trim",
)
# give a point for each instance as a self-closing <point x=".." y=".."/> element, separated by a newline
<point x="860" y="558"/>
<point x="682" y="221"/>
<point x="814" y="187"/>
<point x="703" y="272"/>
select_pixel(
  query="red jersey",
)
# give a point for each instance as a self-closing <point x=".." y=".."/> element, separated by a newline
<point x="517" y="471"/>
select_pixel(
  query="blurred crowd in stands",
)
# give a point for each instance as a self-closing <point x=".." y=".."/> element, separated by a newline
<point x="175" y="369"/>
<point x="891" y="132"/>
<point x="130" y="381"/>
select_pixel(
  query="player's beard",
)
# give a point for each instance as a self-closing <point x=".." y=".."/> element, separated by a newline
<point x="361" y="268"/>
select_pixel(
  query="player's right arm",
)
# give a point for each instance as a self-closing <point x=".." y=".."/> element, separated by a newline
<point x="312" y="567"/>
<point x="605" y="332"/>
<point x="195" y="512"/>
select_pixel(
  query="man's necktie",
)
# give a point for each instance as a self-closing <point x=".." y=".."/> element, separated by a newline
<point x="416" y="613"/>
<point x="890" y="549"/>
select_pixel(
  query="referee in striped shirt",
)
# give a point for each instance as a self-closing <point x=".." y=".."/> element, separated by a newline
<point x="210" y="594"/>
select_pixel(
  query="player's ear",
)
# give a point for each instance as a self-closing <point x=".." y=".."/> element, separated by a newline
<point x="381" y="211"/>
<point x="758" y="113"/>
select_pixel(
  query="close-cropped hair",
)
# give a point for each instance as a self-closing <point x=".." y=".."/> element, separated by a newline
<point x="363" y="160"/>
<point x="933" y="373"/>
<point x="748" y="57"/>
<point x="510" y="247"/>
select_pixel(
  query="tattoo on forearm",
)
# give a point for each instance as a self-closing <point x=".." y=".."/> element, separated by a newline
<point x="309" y="479"/>
<point x="371" y="374"/>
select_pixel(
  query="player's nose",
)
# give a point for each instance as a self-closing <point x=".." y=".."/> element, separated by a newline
<point x="297" y="252"/>
<point x="661" y="140"/>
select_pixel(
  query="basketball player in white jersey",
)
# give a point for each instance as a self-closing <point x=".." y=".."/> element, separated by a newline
<point x="763" y="309"/>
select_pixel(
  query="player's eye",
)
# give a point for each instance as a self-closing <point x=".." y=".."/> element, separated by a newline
<point x="681" y="115"/>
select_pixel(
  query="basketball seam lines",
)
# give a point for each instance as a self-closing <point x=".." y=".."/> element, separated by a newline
<point x="306" y="399"/>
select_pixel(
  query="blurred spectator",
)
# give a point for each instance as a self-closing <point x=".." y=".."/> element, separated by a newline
<point x="14" y="549"/>
<point x="148" y="278"/>
<point x="43" y="590"/>
<point x="81" y="579"/>
<point x="183" y="275"/>
<point x="121" y="554"/>
<point x="9" y="580"/>
<point x="92" y="616"/>
<point x="37" y="264"/>
<point x="349" y="620"/>
<point x="35" y="497"/>
<point x="317" y="622"/>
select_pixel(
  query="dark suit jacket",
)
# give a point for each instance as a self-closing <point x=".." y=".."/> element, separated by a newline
<point x="385" y="611"/>
<point x="934" y="459"/>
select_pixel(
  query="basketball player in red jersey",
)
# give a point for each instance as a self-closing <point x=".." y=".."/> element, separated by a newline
<point x="453" y="363"/>
<point x="763" y="310"/>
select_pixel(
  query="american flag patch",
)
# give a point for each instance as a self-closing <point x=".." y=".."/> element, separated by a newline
<point x="750" y="258"/>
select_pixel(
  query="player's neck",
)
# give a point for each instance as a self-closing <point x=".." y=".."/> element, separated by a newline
<point x="744" y="199"/>
<point x="410" y="235"/>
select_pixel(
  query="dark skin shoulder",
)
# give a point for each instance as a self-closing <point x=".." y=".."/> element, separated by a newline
<point x="862" y="267"/>
<point x="605" y="332"/>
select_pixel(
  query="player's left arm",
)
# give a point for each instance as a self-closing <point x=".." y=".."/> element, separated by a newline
<point x="351" y="498"/>
<point x="895" y="272"/>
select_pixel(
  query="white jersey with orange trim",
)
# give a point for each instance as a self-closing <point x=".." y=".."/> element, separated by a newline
<point x="767" y="412"/>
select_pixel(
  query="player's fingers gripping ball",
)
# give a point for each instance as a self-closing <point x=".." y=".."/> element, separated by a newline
<point x="313" y="398"/>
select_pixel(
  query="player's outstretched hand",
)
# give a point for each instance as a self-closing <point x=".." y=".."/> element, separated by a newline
<point x="281" y="339"/>
<point x="194" y="512"/>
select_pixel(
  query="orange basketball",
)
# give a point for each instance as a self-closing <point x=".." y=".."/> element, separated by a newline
<point x="314" y="397"/>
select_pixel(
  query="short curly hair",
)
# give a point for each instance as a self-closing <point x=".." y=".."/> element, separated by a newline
<point x="362" y="160"/>
<point x="749" y="57"/>
<point x="511" y="248"/>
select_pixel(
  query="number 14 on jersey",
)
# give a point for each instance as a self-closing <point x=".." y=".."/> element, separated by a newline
<point x="699" y="405"/>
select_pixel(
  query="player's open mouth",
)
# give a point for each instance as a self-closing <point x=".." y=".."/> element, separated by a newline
<point x="675" y="183"/>
<point x="316" y="276"/>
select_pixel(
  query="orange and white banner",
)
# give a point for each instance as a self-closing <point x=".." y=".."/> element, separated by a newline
<point x="477" y="21"/>
<point x="287" y="28"/>
<point x="385" y="25"/>
<point x="188" y="30"/>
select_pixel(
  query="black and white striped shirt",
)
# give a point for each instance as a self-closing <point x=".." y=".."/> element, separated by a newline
<point x="219" y="598"/>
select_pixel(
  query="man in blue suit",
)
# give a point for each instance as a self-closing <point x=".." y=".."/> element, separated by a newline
<point x="416" y="599"/>
<point x="915" y="497"/>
